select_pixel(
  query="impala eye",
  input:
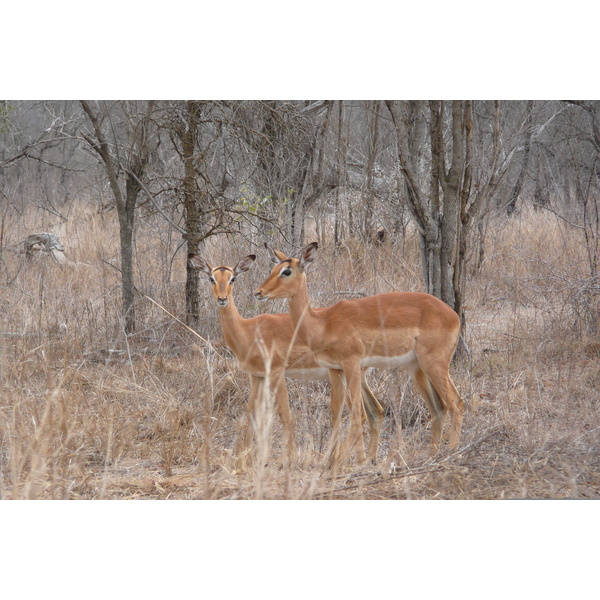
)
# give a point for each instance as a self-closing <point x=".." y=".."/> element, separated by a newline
<point x="232" y="280"/>
<point x="286" y="272"/>
<point x="212" y="279"/>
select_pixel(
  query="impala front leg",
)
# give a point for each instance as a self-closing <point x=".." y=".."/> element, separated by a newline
<point x="282" y="402"/>
<point x="256" y="386"/>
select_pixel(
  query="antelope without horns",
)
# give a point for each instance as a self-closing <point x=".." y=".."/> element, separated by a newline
<point x="411" y="330"/>
<point x="263" y="344"/>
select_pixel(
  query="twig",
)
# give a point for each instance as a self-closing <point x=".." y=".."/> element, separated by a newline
<point x="182" y="323"/>
<point x="428" y="467"/>
<point x="164" y="215"/>
<point x="558" y="215"/>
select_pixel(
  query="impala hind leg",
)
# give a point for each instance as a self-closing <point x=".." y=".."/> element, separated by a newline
<point x="338" y="391"/>
<point x="374" y="412"/>
<point x="434" y="404"/>
<point x="354" y="439"/>
<point x="442" y="383"/>
<point x="457" y="409"/>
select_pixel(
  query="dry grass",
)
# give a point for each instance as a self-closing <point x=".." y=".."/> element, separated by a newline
<point x="86" y="412"/>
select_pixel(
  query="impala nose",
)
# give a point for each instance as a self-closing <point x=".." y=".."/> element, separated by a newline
<point x="222" y="300"/>
<point x="258" y="295"/>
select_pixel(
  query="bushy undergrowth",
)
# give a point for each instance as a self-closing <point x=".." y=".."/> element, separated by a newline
<point x="88" y="412"/>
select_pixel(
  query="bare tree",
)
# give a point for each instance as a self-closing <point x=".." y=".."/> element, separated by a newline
<point x="315" y="180"/>
<point x="439" y="184"/>
<point x="528" y="133"/>
<point x="340" y="169"/>
<point x="286" y="142"/>
<point x="200" y="132"/>
<point x="124" y="149"/>
<point x="588" y="184"/>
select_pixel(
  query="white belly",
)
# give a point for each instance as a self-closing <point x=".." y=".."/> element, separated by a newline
<point x="307" y="374"/>
<point x="405" y="361"/>
<point x="302" y="374"/>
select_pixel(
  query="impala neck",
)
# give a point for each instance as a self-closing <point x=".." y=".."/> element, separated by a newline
<point x="232" y="324"/>
<point x="303" y="316"/>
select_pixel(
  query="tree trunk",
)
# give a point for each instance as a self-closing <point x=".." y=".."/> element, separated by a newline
<point x="126" y="220"/>
<point x="193" y="224"/>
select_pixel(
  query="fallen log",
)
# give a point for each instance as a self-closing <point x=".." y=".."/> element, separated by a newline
<point x="37" y="244"/>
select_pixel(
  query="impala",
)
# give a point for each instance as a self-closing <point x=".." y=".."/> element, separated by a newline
<point x="412" y="330"/>
<point x="265" y="343"/>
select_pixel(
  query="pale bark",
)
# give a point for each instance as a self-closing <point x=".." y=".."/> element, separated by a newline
<point x="441" y="203"/>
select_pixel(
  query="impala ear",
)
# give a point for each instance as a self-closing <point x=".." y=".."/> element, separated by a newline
<point x="308" y="255"/>
<point x="198" y="263"/>
<point x="275" y="255"/>
<point x="244" y="264"/>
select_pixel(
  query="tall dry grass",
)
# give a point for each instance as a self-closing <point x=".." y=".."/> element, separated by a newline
<point x="88" y="412"/>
